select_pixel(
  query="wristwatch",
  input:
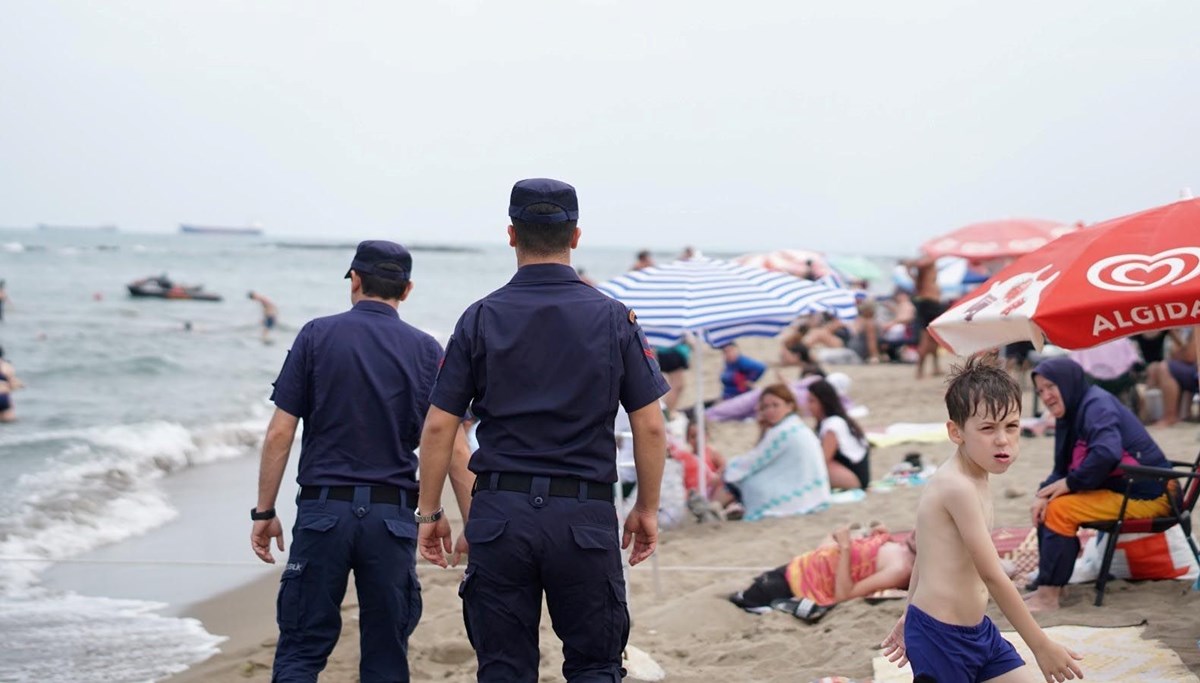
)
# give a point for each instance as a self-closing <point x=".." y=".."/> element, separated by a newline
<point x="258" y="516"/>
<point x="429" y="519"/>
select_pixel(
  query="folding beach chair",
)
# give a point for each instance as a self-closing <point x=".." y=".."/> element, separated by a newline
<point x="1183" y="501"/>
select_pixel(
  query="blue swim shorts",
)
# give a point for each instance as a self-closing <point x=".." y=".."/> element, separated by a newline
<point x="956" y="654"/>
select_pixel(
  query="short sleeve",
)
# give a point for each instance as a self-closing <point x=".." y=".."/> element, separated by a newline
<point x="430" y="361"/>
<point x="642" y="381"/>
<point x="293" y="385"/>
<point x="454" y="388"/>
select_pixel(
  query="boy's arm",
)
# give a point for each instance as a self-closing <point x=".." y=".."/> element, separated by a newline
<point x="962" y="502"/>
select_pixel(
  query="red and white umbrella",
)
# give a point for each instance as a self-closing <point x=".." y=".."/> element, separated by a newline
<point x="1124" y="276"/>
<point x="997" y="239"/>
<point x="798" y="262"/>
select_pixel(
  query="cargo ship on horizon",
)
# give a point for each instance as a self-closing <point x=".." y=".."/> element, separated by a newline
<point x="189" y="229"/>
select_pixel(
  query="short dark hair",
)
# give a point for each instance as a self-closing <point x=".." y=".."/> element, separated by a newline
<point x="544" y="239"/>
<point x="981" y="387"/>
<point x="643" y="254"/>
<point x="383" y="288"/>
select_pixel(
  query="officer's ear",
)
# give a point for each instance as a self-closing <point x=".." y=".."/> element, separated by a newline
<point x="575" y="238"/>
<point x="512" y="236"/>
<point x="407" y="290"/>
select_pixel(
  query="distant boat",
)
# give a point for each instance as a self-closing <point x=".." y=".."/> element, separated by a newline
<point x="218" y="230"/>
<point x="96" y="228"/>
<point x="161" y="287"/>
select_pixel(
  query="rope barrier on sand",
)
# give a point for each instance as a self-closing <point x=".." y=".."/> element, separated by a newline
<point x="247" y="563"/>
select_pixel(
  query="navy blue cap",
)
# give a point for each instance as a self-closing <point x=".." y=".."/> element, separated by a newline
<point x="382" y="258"/>
<point x="526" y="193"/>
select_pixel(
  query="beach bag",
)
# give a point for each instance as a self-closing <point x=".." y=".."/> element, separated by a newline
<point x="1140" y="557"/>
<point x="672" y="498"/>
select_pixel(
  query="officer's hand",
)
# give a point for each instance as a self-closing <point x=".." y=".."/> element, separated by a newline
<point x="641" y="527"/>
<point x="434" y="541"/>
<point x="261" y="535"/>
<point x="460" y="549"/>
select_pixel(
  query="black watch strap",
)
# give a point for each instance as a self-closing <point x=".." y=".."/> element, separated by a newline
<point x="258" y="516"/>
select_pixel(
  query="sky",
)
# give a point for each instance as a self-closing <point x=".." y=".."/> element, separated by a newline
<point x="853" y="127"/>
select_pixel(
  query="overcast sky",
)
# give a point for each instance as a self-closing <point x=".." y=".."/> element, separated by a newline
<point x="844" y="126"/>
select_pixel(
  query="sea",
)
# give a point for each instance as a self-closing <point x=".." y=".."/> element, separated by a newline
<point x="125" y="480"/>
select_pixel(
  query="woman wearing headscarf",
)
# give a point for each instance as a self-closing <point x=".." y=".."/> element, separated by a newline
<point x="1094" y="436"/>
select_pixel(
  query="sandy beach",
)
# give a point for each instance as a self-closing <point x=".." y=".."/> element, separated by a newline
<point x="682" y="619"/>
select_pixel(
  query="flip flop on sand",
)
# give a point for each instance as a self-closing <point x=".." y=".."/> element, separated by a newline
<point x="802" y="608"/>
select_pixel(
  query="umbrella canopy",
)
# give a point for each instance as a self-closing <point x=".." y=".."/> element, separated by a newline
<point x="1124" y="276"/>
<point x="856" y="267"/>
<point x="997" y="239"/>
<point x="798" y="262"/>
<point x="719" y="301"/>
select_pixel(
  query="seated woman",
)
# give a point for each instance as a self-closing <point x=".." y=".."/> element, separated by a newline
<point x="847" y="453"/>
<point x="842" y="568"/>
<point x="713" y="460"/>
<point x="785" y="473"/>
<point x="1094" y="435"/>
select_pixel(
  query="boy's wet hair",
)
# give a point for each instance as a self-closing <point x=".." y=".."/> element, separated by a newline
<point x="980" y="386"/>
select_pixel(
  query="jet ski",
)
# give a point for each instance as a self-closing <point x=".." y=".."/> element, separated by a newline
<point x="161" y="287"/>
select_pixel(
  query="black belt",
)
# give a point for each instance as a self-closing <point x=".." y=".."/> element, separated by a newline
<point x="383" y="495"/>
<point x="563" y="487"/>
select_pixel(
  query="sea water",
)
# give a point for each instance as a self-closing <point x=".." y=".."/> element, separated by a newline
<point x="126" y="396"/>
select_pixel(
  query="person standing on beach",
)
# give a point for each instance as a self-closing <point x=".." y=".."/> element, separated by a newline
<point x="359" y="380"/>
<point x="927" y="297"/>
<point x="545" y="360"/>
<point x="269" y="312"/>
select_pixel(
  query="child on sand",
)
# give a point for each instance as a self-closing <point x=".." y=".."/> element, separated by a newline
<point x="944" y="632"/>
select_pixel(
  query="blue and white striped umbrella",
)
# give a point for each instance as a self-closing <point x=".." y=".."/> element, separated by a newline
<point x="719" y="301"/>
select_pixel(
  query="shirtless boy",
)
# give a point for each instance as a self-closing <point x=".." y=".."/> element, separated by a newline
<point x="944" y="631"/>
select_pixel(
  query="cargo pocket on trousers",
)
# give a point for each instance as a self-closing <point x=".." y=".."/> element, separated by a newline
<point x="464" y="588"/>
<point x="289" y="606"/>
<point x="594" y="536"/>
<point x="288" y="603"/>
<point x="416" y="604"/>
<point x="484" y="530"/>
<point x="620" y="616"/>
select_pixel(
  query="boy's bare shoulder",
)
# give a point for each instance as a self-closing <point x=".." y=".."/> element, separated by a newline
<point x="949" y="482"/>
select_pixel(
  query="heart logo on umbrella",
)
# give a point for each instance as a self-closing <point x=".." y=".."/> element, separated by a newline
<point x="1119" y="273"/>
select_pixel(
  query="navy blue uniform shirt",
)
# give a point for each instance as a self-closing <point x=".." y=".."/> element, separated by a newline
<point x="360" y="381"/>
<point x="545" y="359"/>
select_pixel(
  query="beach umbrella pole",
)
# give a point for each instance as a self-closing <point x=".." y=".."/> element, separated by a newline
<point x="700" y="445"/>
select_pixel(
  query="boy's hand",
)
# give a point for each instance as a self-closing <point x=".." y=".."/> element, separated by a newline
<point x="893" y="645"/>
<point x="1058" y="662"/>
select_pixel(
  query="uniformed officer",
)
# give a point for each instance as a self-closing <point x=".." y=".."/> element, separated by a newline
<point x="545" y="360"/>
<point x="360" y="381"/>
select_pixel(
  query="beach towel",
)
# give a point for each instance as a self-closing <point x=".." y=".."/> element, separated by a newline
<point x="909" y="432"/>
<point x="1109" y="654"/>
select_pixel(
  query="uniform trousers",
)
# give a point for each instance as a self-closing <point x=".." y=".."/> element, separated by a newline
<point x="524" y="544"/>
<point x="330" y="539"/>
